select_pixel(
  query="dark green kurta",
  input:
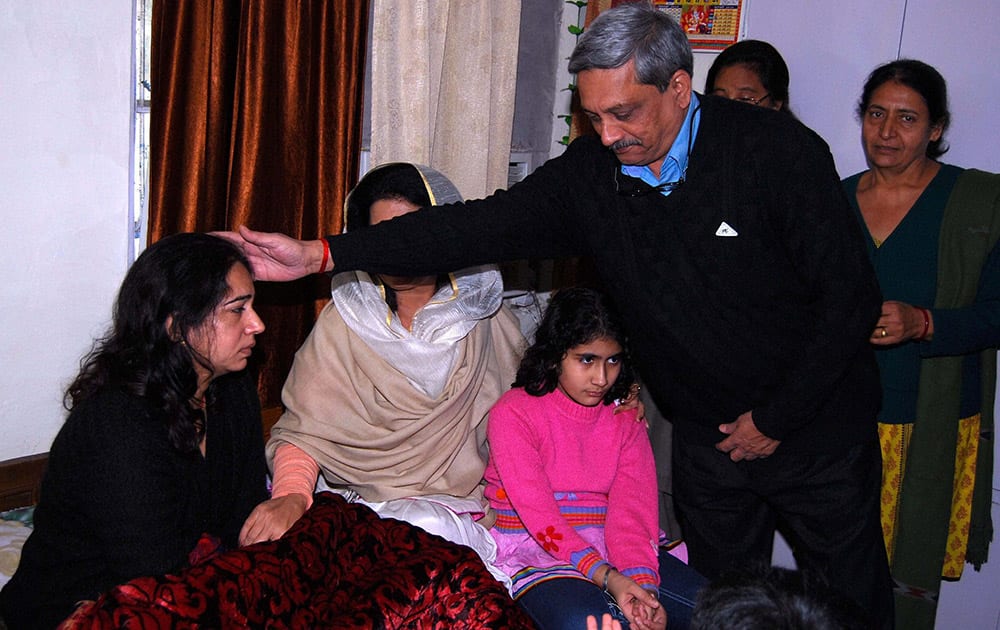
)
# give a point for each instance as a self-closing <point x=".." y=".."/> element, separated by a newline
<point x="906" y="265"/>
<point x="966" y="308"/>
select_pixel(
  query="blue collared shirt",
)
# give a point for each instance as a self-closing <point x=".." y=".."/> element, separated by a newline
<point x="675" y="164"/>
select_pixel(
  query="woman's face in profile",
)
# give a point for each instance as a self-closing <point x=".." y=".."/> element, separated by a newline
<point x="739" y="82"/>
<point x="227" y="337"/>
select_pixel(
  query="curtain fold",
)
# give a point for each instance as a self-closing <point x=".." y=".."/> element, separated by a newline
<point x="256" y="120"/>
<point x="443" y="78"/>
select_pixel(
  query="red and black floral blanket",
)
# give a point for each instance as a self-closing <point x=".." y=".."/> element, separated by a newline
<point x="340" y="566"/>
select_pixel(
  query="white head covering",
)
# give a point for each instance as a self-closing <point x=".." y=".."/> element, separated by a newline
<point x="425" y="354"/>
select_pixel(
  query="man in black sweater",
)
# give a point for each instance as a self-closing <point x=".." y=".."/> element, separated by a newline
<point x="723" y="235"/>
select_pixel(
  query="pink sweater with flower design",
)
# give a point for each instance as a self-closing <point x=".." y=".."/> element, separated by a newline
<point x="574" y="487"/>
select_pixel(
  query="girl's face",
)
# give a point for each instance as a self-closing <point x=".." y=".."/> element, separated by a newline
<point x="589" y="370"/>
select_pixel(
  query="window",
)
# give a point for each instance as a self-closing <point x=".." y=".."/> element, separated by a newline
<point x="143" y="16"/>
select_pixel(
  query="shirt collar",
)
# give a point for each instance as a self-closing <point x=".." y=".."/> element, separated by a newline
<point x="676" y="162"/>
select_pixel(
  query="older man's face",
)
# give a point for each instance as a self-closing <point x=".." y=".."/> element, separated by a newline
<point x="637" y="121"/>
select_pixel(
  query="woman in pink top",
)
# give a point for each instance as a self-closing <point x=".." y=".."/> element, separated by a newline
<point x="574" y="485"/>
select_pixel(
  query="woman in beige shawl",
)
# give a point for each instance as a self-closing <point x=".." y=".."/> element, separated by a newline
<point x="387" y="399"/>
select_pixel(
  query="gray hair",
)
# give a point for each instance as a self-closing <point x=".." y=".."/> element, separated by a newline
<point x="634" y="31"/>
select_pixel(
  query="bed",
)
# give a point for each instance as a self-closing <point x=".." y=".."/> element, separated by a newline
<point x="20" y="483"/>
<point x="340" y="566"/>
<point x="400" y="575"/>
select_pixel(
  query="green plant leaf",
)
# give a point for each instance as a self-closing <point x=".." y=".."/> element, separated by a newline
<point x="564" y="140"/>
<point x="574" y="29"/>
<point x="577" y="3"/>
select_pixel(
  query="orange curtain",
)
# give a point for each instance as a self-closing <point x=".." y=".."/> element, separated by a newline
<point x="256" y="119"/>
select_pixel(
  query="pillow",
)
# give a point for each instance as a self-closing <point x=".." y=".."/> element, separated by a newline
<point x="528" y="307"/>
<point x="15" y="526"/>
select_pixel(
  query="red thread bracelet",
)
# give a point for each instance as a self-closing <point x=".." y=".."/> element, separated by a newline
<point x="326" y="255"/>
<point x="927" y="324"/>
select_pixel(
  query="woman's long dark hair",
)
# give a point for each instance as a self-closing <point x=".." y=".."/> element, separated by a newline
<point x="180" y="279"/>
<point x="574" y="316"/>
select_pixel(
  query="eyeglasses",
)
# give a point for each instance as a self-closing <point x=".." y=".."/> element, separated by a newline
<point x="751" y="100"/>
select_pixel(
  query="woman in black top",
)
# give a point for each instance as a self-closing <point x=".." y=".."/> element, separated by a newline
<point x="163" y="442"/>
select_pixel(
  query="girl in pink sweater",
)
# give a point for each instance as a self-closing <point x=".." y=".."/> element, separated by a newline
<point x="574" y="485"/>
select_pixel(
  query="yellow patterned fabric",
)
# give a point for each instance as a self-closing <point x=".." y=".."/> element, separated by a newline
<point x="895" y="441"/>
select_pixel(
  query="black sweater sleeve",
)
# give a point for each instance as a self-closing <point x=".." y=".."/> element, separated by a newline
<point x="238" y="467"/>
<point x="533" y="219"/>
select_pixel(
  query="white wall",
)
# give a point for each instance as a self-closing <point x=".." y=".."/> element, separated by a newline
<point x="830" y="48"/>
<point x="64" y="172"/>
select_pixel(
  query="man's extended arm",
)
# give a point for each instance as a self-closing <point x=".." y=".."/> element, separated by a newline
<point x="534" y="219"/>
<point x="278" y="257"/>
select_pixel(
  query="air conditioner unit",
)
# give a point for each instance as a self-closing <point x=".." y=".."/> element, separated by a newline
<point x="518" y="168"/>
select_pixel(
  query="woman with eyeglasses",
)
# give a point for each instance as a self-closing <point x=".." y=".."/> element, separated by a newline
<point x="750" y="71"/>
<point x="932" y="229"/>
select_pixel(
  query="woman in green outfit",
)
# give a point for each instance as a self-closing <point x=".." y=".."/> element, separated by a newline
<point x="933" y="229"/>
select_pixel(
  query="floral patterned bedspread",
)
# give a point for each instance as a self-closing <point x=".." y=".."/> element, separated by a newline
<point x="340" y="566"/>
<point x="15" y="525"/>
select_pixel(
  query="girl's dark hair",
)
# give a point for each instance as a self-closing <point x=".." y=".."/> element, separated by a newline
<point x="574" y="316"/>
<point x="181" y="278"/>
<point x="923" y="79"/>
<point x="765" y="61"/>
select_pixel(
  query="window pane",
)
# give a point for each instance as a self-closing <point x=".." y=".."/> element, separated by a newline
<point x="140" y="131"/>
